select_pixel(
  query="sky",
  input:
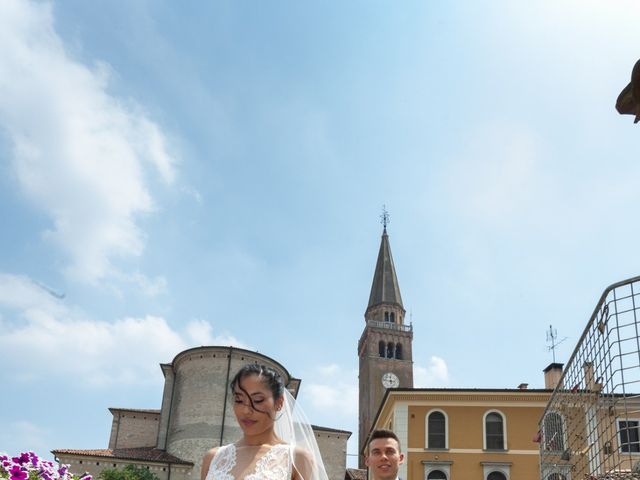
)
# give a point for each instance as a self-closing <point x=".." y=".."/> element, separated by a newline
<point x="177" y="174"/>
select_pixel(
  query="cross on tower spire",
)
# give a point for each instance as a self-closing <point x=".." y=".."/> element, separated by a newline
<point x="384" y="217"/>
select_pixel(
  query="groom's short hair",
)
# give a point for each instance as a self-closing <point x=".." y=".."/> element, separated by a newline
<point x="383" y="434"/>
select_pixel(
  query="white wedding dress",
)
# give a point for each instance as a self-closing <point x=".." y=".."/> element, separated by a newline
<point x="251" y="463"/>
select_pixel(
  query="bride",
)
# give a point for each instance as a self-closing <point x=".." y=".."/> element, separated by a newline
<point x="277" y="441"/>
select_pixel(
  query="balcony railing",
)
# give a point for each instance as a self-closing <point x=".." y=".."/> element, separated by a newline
<point x="391" y="326"/>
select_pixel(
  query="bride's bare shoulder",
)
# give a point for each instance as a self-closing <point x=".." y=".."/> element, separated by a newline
<point x="302" y="454"/>
<point x="206" y="462"/>
<point x="211" y="453"/>
<point x="303" y="463"/>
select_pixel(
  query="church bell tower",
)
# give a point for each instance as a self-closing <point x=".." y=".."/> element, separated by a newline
<point x="384" y="348"/>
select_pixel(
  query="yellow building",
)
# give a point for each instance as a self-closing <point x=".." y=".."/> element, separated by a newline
<point x="451" y="434"/>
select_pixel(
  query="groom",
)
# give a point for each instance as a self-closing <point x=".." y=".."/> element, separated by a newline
<point x="383" y="455"/>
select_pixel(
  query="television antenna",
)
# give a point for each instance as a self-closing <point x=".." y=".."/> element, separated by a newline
<point x="552" y="336"/>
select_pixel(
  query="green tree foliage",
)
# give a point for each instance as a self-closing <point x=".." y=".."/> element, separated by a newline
<point x="129" y="472"/>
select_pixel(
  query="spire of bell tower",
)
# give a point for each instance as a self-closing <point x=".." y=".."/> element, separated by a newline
<point x="385" y="288"/>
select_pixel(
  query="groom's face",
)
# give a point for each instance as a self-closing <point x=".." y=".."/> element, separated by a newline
<point x="384" y="458"/>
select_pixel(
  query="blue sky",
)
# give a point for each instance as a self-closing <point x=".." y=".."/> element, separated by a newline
<point x="212" y="173"/>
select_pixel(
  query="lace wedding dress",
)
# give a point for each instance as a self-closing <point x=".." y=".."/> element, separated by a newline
<point x="251" y="463"/>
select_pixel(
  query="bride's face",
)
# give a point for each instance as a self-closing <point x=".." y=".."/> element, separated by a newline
<point x="254" y="405"/>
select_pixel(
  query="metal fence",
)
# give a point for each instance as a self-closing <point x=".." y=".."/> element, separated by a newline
<point x="591" y="426"/>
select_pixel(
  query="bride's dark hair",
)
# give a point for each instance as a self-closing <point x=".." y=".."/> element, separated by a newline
<point x="268" y="375"/>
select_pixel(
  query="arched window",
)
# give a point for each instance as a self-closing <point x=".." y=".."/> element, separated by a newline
<point x="556" y="476"/>
<point x="436" y="475"/>
<point x="390" y="350"/>
<point x="553" y="432"/>
<point x="386" y="316"/>
<point x="436" y="430"/>
<point x="393" y="317"/>
<point x="399" y="351"/>
<point x="494" y="431"/>
<point x="496" y="476"/>
<point x="382" y="349"/>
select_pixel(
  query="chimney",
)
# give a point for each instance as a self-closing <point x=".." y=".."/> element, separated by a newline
<point x="588" y="375"/>
<point x="552" y="375"/>
<point x="523" y="386"/>
<point x="592" y="383"/>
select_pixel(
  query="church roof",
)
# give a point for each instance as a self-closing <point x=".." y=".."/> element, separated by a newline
<point x="356" y="474"/>
<point x="385" y="288"/>
<point x="134" y="410"/>
<point x="318" y="428"/>
<point x="143" y="454"/>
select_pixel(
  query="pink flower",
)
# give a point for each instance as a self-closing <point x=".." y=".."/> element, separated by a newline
<point x="18" y="472"/>
<point x="28" y="466"/>
<point x="23" y="458"/>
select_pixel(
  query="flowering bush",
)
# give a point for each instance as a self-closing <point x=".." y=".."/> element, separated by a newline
<point x="28" y="466"/>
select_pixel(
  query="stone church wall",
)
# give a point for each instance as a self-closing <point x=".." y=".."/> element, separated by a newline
<point x="333" y="449"/>
<point x="131" y="429"/>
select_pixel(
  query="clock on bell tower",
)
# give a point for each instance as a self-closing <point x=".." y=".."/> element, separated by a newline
<point x="384" y="348"/>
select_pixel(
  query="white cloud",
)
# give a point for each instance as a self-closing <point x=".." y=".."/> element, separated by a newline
<point x="200" y="332"/>
<point x="47" y="338"/>
<point x="332" y="389"/>
<point x="435" y="374"/>
<point x="22" y="293"/>
<point x="79" y="153"/>
<point x="329" y="370"/>
<point x="150" y="287"/>
<point x="340" y="397"/>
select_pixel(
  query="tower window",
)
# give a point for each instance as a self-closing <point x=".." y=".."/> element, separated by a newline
<point x="392" y="317"/>
<point x="399" y="351"/>
<point x="390" y="350"/>
<point x="382" y="349"/>
<point x="386" y="316"/>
